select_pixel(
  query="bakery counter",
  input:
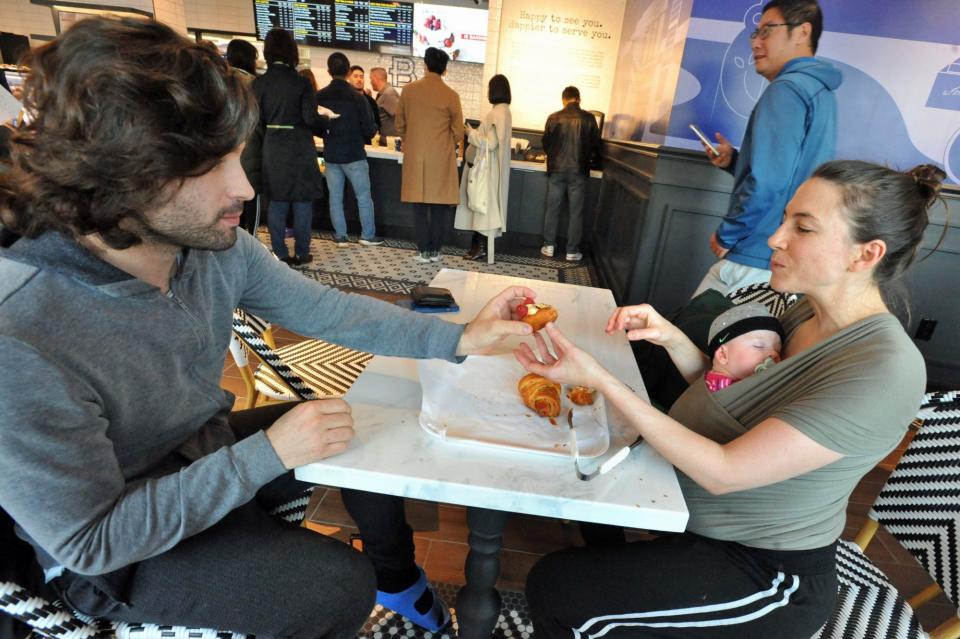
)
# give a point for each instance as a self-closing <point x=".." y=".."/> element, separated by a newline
<point x="388" y="153"/>
<point x="526" y="204"/>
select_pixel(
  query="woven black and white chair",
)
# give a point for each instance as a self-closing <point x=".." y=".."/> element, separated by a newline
<point x="775" y="302"/>
<point x="309" y="369"/>
<point x="50" y="618"/>
<point x="920" y="506"/>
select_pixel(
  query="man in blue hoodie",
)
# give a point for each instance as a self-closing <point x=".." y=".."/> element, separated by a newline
<point x="792" y="130"/>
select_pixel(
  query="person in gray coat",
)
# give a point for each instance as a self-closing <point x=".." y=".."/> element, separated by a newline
<point x="145" y="497"/>
<point x="288" y="114"/>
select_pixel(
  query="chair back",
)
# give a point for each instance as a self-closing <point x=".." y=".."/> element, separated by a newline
<point x="249" y="329"/>
<point x="777" y="303"/>
<point x="920" y="503"/>
<point x="25" y="604"/>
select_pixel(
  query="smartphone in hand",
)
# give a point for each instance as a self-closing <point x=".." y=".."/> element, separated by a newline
<point x="703" y="138"/>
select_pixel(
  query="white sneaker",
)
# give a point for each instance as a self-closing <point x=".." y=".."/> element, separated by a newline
<point x="423" y="257"/>
<point x="547" y="250"/>
<point x="574" y="257"/>
<point x="435" y="256"/>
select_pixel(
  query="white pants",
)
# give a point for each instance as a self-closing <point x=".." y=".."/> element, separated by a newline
<point x="726" y="277"/>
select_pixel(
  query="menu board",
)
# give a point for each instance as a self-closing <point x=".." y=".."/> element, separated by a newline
<point x="310" y="22"/>
<point x="344" y="24"/>
<point x="363" y="24"/>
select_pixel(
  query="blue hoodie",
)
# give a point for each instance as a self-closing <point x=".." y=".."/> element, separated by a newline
<point x="792" y="130"/>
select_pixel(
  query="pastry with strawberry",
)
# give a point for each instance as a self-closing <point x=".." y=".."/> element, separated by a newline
<point x="536" y="315"/>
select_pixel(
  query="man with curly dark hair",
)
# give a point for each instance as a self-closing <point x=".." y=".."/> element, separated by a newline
<point x="144" y="497"/>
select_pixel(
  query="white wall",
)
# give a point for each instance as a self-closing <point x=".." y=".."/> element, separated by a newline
<point x="19" y="16"/>
<point x="220" y="15"/>
<point x="648" y="66"/>
<point x="544" y="47"/>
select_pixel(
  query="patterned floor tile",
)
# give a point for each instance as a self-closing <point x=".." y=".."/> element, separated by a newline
<point x="514" y="621"/>
<point x="391" y="267"/>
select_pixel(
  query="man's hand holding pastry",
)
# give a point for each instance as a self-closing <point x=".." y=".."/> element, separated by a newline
<point x="495" y="322"/>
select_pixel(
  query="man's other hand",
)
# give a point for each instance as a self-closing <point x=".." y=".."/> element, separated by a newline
<point x="311" y="431"/>
<point x="724" y="154"/>
<point x="718" y="250"/>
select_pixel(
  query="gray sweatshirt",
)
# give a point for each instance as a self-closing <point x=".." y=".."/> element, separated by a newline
<point x="104" y="376"/>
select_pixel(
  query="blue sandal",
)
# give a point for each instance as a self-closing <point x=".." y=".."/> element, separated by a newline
<point x="404" y="603"/>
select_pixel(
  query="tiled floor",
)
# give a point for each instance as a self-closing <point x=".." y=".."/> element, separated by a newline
<point x="440" y="530"/>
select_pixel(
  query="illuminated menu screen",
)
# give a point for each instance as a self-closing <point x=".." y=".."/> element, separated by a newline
<point x="346" y="24"/>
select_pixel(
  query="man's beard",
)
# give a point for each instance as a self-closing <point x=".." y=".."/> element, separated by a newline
<point x="209" y="237"/>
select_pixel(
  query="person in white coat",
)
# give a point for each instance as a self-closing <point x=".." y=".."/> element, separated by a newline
<point x="486" y="215"/>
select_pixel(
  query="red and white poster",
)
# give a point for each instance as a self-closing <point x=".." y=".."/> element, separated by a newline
<point x="461" y="32"/>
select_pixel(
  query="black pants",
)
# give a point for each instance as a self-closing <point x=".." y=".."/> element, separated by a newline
<point x="248" y="218"/>
<point x="681" y="586"/>
<point x="574" y="187"/>
<point x="429" y="223"/>
<point x="256" y="574"/>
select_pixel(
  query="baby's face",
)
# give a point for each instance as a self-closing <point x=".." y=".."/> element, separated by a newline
<point x="740" y="356"/>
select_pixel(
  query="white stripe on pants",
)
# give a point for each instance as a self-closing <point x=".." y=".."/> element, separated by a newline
<point x="740" y="611"/>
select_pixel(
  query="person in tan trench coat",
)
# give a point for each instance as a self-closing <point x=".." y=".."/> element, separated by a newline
<point x="430" y="122"/>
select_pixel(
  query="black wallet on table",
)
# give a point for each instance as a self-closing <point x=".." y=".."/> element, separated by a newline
<point x="431" y="296"/>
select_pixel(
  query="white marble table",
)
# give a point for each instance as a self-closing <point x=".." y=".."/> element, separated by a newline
<point x="392" y="454"/>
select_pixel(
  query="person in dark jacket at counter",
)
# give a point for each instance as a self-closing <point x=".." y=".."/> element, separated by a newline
<point x="291" y="177"/>
<point x="355" y="78"/>
<point x="343" y="151"/>
<point x="242" y="57"/>
<point x="571" y="140"/>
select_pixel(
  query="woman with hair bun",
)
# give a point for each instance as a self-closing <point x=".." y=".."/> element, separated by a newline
<point x="766" y="465"/>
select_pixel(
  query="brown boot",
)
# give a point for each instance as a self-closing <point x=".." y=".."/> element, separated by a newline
<point x="476" y="247"/>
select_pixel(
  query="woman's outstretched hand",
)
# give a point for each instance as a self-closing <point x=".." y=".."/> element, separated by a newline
<point x="566" y="363"/>
<point x="642" y="322"/>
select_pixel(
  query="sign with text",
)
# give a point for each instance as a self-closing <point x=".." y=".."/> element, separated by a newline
<point x="546" y="47"/>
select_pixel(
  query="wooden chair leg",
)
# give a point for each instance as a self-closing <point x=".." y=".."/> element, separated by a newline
<point x="268" y="338"/>
<point x="866" y="533"/>
<point x="949" y="629"/>
<point x="925" y="595"/>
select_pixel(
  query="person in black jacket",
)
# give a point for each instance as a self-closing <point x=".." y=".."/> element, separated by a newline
<point x="571" y="140"/>
<point x="343" y="151"/>
<point x="242" y="57"/>
<point x="291" y="177"/>
<point x="355" y="78"/>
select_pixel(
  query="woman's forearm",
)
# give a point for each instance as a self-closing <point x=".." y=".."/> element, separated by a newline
<point x="689" y="360"/>
<point x="700" y="458"/>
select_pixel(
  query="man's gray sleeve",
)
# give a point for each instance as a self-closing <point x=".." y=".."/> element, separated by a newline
<point x="60" y="478"/>
<point x="285" y="297"/>
<point x="388" y="102"/>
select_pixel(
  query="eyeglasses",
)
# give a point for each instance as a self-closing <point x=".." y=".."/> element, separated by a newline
<point x="764" y="32"/>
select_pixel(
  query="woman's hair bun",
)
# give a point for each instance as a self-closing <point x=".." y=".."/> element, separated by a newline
<point x="929" y="179"/>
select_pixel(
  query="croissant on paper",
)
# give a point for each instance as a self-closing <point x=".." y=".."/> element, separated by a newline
<point x="581" y="395"/>
<point x="540" y="394"/>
